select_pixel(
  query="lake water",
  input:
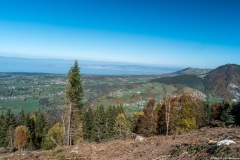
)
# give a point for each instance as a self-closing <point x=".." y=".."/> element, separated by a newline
<point x="63" y="70"/>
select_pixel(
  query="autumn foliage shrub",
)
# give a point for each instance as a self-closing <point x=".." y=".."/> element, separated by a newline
<point x="22" y="137"/>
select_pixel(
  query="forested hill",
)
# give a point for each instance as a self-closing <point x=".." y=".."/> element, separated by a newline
<point x="191" y="81"/>
<point x="223" y="81"/>
<point x="188" y="71"/>
<point x="193" y="71"/>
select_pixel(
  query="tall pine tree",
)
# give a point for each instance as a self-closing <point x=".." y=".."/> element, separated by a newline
<point x="110" y="121"/>
<point x="21" y="118"/>
<point x="74" y="95"/>
<point x="2" y="131"/>
<point x="99" y="128"/>
<point x="226" y="114"/>
<point x="9" y="124"/>
<point x="88" y="124"/>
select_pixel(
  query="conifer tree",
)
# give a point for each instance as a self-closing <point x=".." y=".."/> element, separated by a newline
<point x="30" y="123"/>
<point x="26" y="120"/>
<point x="236" y="113"/>
<point x="9" y="119"/>
<point x="115" y="111"/>
<point x="9" y="125"/>
<point x="21" y="118"/>
<point x="41" y="129"/>
<point x="161" y="119"/>
<point x="226" y="114"/>
<point x="110" y="121"/>
<point x="74" y="95"/>
<point x="99" y="124"/>
<point x="88" y="124"/>
<point x="2" y="131"/>
<point x="208" y="111"/>
<point x="119" y="110"/>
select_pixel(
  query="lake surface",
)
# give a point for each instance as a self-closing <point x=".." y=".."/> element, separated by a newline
<point x="64" y="70"/>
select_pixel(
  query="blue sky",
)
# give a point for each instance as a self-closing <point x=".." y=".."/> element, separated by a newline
<point x="186" y="33"/>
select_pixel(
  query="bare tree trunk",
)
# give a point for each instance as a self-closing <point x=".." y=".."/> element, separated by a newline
<point x="151" y="129"/>
<point x="64" y="130"/>
<point x="70" y="139"/>
<point x="166" y="109"/>
<point x="10" y="138"/>
<point x="167" y="113"/>
<point x="54" y="141"/>
<point x="168" y="117"/>
<point x="69" y="125"/>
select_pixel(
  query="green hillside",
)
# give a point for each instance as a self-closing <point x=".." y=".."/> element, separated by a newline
<point x="191" y="81"/>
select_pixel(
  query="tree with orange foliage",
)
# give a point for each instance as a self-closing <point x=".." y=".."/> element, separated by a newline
<point x="216" y="111"/>
<point x="22" y="137"/>
<point x="147" y="123"/>
<point x="179" y="114"/>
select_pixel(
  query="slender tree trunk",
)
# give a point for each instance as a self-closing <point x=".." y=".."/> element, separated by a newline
<point x="11" y="138"/>
<point x="168" y="113"/>
<point x="166" y="122"/>
<point x="64" y="130"/>
<point x="151" y="129"/>
<point x="120" y="130"/>
<point x="69" y="125"/>
<point x="165" y="99"/>
<point x="70" y="139"/>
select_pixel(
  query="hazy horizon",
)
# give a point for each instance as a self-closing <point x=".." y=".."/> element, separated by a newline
<point x="198" y="34"/>
<point x="60" y="66"/>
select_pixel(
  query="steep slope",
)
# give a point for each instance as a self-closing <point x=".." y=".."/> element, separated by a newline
<point x="224" y="81"/>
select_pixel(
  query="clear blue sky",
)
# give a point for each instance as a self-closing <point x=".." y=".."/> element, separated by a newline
<point x="194" y="33"/>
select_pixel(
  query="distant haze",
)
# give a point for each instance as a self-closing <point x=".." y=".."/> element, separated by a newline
<point x="184" y="33"/>
<point x="10" y="64"/>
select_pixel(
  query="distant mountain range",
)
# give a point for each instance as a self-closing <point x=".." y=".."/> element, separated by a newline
<point x="223" y="81"/>
<point x="10" y="64"/>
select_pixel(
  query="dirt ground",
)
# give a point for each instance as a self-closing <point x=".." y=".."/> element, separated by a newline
<point x="194" y="145"/>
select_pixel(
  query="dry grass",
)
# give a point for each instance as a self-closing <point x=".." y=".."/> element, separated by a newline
<point x="188" y="146"/>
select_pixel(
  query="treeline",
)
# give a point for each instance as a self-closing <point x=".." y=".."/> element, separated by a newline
<point x="100" y="124"/>
<point x="183" y="114"/>
<point x="23" y="131"/>
<point x="35" y="131"/>
<point x="172" y="116"/>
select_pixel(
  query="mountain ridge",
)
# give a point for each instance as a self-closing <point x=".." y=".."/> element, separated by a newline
<point x="188" y="71"/>
<point x="218" y="79"/>
<point x="224" y="81"/>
